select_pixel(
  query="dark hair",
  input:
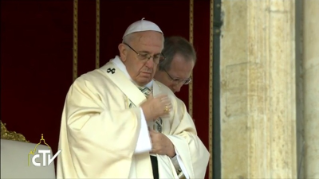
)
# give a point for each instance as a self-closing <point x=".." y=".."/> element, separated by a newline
<point x="174" y="45"/>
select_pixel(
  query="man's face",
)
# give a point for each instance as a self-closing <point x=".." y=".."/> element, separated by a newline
<point x="148" y="43"/>
<point x="179" y="72"/>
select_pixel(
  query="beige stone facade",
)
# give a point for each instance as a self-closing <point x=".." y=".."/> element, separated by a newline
<point x="258" y="89"/>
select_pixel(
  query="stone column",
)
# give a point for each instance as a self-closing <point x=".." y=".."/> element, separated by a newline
<point x="311" y="88"/>
<point x="258" y="116"/>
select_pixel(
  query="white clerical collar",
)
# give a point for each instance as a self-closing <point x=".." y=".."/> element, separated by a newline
<point x="118" y="62"/>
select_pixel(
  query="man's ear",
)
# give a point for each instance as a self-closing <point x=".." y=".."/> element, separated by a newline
<point x="122" y="51"/>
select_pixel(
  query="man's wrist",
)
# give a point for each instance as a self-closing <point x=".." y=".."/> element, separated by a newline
<point x="146" y="113"/>
<point x="172" y="153"/>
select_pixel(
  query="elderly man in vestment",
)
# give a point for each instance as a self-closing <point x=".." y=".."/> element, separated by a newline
<point x="118" y="122"/>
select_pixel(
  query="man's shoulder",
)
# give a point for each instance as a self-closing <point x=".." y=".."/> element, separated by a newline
<point x="90" y="76"/>
<point x="94" y="75"/>
<point x="164" y="88"/>
<point x="168" y="91"/>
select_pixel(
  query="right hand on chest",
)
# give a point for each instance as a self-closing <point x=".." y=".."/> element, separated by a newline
<point x="155" y="107"/>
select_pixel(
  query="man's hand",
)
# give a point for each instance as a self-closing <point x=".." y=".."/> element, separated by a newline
<point x="161" y="144"/>
<point x="155" y="107"/>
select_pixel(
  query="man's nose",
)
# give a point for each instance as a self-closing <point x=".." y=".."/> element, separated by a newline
<point x="177" y="87"/>
<point x="150" y="63"/>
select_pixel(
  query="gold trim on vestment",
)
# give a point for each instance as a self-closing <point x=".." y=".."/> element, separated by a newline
<point x="97" y="33"/>
<point x="190" y="85"/>
<point x="210" y="137"/>
<point x="75" y="39"/>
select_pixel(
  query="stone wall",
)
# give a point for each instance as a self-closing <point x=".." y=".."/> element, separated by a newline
<point x="258" y="91"/>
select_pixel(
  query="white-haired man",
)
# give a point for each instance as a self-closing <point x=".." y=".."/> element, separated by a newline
<point x="119" y="123"/>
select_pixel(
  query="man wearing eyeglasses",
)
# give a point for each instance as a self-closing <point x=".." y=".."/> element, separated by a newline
<point x="119" y="123"/>
<point x="180" y="58"/>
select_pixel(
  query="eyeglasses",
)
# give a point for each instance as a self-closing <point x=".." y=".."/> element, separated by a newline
<point x="146" y="56"/>
<point x="177" y="81"/>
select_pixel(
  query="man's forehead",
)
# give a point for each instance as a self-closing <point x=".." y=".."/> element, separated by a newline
<point x="149" y="41"/>
<point x="181" y="68"/>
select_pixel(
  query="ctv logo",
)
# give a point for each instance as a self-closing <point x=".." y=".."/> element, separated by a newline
<point x="45" y="153"/>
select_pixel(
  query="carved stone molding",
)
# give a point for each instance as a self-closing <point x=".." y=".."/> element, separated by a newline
<point x="11" y="135"/>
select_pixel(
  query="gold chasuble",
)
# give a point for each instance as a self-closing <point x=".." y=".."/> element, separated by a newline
<point x="99" y="131"/>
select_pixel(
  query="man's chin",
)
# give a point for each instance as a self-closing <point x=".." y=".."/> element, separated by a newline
<point x="144" y="80"/>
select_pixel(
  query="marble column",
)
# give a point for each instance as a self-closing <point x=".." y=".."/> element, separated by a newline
<point x="258" y="108"/>
<point x="311" y="88"/>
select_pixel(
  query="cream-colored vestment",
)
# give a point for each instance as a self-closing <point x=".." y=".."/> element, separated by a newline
<point x="99" y="132"/>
